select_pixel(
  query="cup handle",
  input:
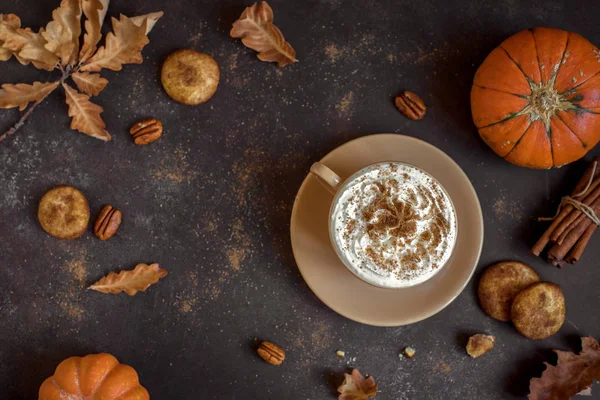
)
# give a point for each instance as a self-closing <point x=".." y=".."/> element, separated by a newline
<point x="327" y="177"/>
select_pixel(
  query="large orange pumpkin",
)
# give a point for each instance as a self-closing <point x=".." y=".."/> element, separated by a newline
<point x="93" y="377"/>
<point x="536" y="97"/>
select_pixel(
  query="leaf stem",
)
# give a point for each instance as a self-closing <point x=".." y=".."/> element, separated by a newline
<point x="26" y="115"/>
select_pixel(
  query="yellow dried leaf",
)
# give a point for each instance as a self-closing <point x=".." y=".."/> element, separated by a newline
<point x="85" y="114"/>
<point x="94" y="11"/>
<point x="21" y="94"/>
<point x="62" y="33"/>
<point x="255" y="28"/>
<point x="27" y="46"/>
<point x="90" y="84"/>
<point x="130" y="282"/>
<point x="123" y="46"/>
<point x="152" y="18"/>
<point x="13" y="22"/>
<point x="357" y="387"/>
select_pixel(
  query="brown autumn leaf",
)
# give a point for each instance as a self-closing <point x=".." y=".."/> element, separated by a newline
<point x="13" y="22"/>
<point x="85" y="114"/>
<point x="21" y="94"/>
<point x="94" y="11"/>
<point x="255" y="28"/>
<point x="26" y="45"/>
<point x="572" y="374"/>
<point x="123" y="46"/>
<point x="130" y="282"/>
<point x="357" y="387"/>
<point x="152" y="18"/>
<point x="57" y="48"/>
<point x="62" y="33"/>
<point x="90" y="84"/>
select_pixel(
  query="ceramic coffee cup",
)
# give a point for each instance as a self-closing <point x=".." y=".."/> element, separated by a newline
<point x="391" y="224"/>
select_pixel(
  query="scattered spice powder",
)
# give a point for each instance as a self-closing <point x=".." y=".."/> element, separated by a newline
<point x="344" y="107"/>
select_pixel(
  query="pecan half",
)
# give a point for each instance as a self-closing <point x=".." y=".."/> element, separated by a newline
<point x="107" y="223"/>
<point x="271" y="353"/>
<point x="146" y="131"/>
<point x="411" y="105"/>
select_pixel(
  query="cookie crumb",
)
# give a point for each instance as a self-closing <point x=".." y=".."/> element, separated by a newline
<point x="408" y="352"/>
<point x="480" y="344"/>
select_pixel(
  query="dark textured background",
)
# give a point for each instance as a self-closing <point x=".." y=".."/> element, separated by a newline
<point x="211" y="203"/>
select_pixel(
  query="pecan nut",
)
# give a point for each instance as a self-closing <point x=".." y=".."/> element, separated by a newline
<point x="271" y="353"/>
<point x="411" y="105"/>
<point x="107" y="223"/>
<point x="146" y="131"/>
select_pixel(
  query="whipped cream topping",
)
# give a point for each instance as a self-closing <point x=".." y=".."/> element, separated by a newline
<point x="393" y="225"/>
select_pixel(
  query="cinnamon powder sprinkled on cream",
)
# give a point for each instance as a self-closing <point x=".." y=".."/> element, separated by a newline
<point x="394" y="225"/>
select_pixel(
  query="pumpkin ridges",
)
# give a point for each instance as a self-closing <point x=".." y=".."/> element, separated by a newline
<point x="547" y="41"/>
<point x="118" y="382"/>
<point x="50" y="391"/>
<point x="66" y="376"/>
<point x="489" y="106"/>
<point x="502" y="91"/>
<point x="585" y="125"/>
<point x="94" y="369"/>
<point x="537" y="56"/>
<point x="581" y="62"/>
<point x="556" y="70"/>
<point x="499" y="72"/>
<point x="504" y="135"/>
<point x="534" y="149"/>
<point x="567" y="146"/>
<point x="587" y="94"/>
<point x="529" y="81"/>
<point x="521" y="49"/>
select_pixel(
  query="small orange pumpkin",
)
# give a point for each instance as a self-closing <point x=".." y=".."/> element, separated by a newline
<point x="93" y="377"/>
<point x="535" y="99"/>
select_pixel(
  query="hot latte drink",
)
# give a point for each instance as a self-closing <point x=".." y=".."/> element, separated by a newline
<point x="393" y="225"/>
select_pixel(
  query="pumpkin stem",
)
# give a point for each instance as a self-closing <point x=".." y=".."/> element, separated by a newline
<point x="544" y="103"/>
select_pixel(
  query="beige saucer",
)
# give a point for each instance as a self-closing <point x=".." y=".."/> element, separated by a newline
<point x="335" y="285"/>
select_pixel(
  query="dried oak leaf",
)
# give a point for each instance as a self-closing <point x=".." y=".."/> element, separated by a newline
<point x="130" y="282"/>
<point x="90" y="84"/>
<point x="94" y="11"/>
<point x="255" y="28"/>
<point x="21" y="94"/>
<point x="123" y="46"/>
<point x="572" y="374"/>
<point x="152" y="18"/>
<point x="26" y="45"/>
<point x="13" y="22"/>
<point x="357" y="387"/>
<point x="62" y="33"/>
<point x="85" y="114"/>
<point x="58" y="47"/>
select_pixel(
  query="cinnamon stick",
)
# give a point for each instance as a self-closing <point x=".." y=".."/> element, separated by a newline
<point x="576" y="252"/>
<point x="562" y="229"/>
<point x="545" y="239"/>
<point x="577" y="221"/>
<point x="559" y="251"/>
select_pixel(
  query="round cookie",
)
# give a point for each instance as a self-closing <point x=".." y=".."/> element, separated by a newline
<point x="64" y="212"/>
<point x="499" y="285"/>
<point x="539" y="311"/>
<point x="189" y="76"/>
